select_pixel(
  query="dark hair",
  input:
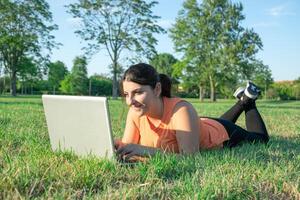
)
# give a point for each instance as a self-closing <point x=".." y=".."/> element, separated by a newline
<point x="145" y="74"/>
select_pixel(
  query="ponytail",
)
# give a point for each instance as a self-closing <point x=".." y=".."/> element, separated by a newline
<point x="166" y="84"/>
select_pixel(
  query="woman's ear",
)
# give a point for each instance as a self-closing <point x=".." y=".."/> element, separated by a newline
<point x="157" y="89"/>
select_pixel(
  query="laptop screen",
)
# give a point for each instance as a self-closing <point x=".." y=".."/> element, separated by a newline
<point x="80" y="124"/>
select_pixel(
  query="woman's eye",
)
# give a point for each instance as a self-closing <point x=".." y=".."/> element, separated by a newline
<point x="139" y="92"/>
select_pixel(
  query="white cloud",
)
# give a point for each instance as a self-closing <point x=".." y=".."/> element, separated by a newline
<point x="265" y="25"/>
<point x="279" y="11"/>
<point x="166" y="24"/>
<point x="74" y="22"/>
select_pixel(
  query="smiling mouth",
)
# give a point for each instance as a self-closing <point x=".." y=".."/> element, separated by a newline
<point x="137" y="105"/>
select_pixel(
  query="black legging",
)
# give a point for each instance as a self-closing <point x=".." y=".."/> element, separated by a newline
<point x="256" y="129"/>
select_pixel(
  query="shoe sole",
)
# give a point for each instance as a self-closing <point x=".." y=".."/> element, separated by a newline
<point x="238" y="91"/>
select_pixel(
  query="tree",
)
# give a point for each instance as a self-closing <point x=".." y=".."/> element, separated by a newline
<point x="66" y="85"/>
<point x="297" y="88"/>
<point x="28" y="73"/>
<point x="3" y="78"/>
<point x="24" y="31"/>
<point x="261" y="75"/>
<point x="100" y="85"/>
<point x="284" y="90"/>
<point x="1" y="66"/>
<point x="4" y="84"/>
<point x="77" y="81"/>
<point x="57" y="73"/>
<point x="191" y="77"/>
<point x="164" y="63"/>
<point x="117" y="26"/>
<point x="213" y="42"/>
<point x="79" y="75"/>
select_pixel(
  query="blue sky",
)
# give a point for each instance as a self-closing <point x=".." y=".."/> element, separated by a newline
<point x="276" y="22"/>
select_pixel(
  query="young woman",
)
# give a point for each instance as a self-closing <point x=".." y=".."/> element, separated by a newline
<point x="158" y="122"/>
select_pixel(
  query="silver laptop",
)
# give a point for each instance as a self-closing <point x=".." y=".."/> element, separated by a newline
<point x="79" y="124"/>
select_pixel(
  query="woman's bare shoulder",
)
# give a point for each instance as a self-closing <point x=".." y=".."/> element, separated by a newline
<point x="183" y="105"/>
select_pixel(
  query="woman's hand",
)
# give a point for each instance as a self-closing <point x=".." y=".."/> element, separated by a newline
<point x="129" y="152"/>
<point x="118" y="144"/>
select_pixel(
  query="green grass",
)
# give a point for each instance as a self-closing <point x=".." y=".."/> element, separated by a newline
<point x="29" y="169"/>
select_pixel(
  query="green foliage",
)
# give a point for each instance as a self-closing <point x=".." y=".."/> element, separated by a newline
<point x="285" y="90"/>
<point x="57" y="73"/>
<point x="164" y="63"/>
<point x="41" y="87"/>
<point x="101" y="85"/>
<point x="117" y="26"/>
<point x="77" y="81"/>
<point x="67" y="84"/>
<point x="29" y="74"/>
<point x="216" y="48"/>
<point x="262" y="76"/>
<point x="24" y="31"/>
<point x="4" y="84"/>
<point x="79" y="76"/>
<point x="30" y="170"/>
<point x="28" y="69"/>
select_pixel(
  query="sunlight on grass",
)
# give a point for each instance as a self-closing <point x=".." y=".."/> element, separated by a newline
<point x="29" y="169"/>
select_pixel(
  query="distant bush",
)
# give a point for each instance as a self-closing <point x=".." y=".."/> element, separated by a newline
<point x="100" y="85"/>
<point x="284" y="90"/>
<point x="184" y="94"/>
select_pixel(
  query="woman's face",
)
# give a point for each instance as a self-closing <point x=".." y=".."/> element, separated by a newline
<point x="140" y="98"/>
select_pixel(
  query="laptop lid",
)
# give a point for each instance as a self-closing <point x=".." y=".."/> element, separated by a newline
<point x="80" y="124"/>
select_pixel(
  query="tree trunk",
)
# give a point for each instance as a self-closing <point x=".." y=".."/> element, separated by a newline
<point x="115" y="84"/>
<point x="201" y="93"/>
<point x="90" y="87"/>
<point x="22" y="88"/>
<point x="4" y="84"/>
<point x="13" y="84"/>
<point x="212" y="89"/>
<point x="266" y="91"/>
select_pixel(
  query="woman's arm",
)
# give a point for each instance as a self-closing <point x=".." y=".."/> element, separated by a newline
<point x="131" y="132"/>
<point x="185" y="121"/>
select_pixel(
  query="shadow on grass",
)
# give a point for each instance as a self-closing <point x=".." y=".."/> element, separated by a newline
<point x="279" y="151"/>
<point x="21" y="103"/>
<point x="279" y="102"/>
<point x="21" y="96"/>
<point x="279" y="107"/>
<point x="281" y="148"/>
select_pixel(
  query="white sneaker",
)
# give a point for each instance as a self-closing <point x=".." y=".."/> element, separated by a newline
<point x="252" y="91"/>
<point x="239" y="92"/>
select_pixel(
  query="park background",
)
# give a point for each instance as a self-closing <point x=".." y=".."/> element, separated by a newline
<point x="275" y="67"/>
<point x="207" y="59"/>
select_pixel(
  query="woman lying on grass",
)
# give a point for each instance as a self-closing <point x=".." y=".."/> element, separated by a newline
<point x="158" y="122"/>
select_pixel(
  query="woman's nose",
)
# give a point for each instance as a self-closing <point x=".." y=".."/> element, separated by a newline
<point x="129" y="100"/>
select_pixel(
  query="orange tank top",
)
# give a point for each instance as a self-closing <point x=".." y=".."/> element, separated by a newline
<point x="163" y="135"/>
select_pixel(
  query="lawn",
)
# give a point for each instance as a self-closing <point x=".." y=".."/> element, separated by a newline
<point x="29" y="169"/>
